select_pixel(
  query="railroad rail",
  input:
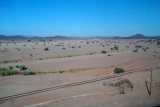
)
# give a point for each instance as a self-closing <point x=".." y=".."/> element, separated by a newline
<point x="3" y="99"/>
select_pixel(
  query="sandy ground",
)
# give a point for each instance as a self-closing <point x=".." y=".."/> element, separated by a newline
<point x="81" y="66"/>
<point x="11" y="50"/>
<point x="51" y="63"/>
<point x="93" y="94"/>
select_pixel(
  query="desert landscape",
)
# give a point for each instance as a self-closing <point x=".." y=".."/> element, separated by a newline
<point x="79" y="53"/>
<point x="30" y="65"/>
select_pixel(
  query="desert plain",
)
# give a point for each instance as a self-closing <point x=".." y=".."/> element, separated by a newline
<point x="60" y="62"/>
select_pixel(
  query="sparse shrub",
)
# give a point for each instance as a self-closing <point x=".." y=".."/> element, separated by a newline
<point x="18" y="49"/>
<point x="28" y="73"/>
<point x="104" y="52"/>
<point x="7" y="72"/>
<point x="144" y="49"/>
<point x="60" y="71"/>
<point x="29" y="40"/>
<point x="116" y="48"/>
<point x="17" y="66"/>
<point x="10" y="67"/>
<point x="109" y="55"/>
<point x="73" y="46"/>
<point x="46" y="49"/>
<point x="63" y="48"/>
<point x="91" y="53"/>
<point x="111" y="48"/>
<point x="22" y="67"/>
<point x="31" y="55"/>
<point x="40" y="59"/>
<point x="138" y="46"/>
<point x="118" y="70"/>
<point x="135" y="51"/>
<point x="158" y="42"/>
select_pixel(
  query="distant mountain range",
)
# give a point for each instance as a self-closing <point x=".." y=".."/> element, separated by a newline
<point x="19" y="37"/>
<point x="137" y="36"/>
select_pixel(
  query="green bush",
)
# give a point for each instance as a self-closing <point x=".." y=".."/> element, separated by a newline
<point x="73" y="46"/>
<point x="144" y="49"/>
<point x="40" y="59"/>
<point x="17" y="66"/>
<point x="104" y="52"/>
<point x="10" y="67"/>
<point x="7" y="72"/>
<point x="22" y="67"/>
<point x="46" y="49"/>
<point x="158" y="42"/>
<point x="60" y="71"/>
<point x="116" y="48"/>
<point x="138" y="46"/>
<point x="29" y="40"/>
<point x="31" y="55"/>
<point x="118" y="70"/>
<point x="91" y="53"/>
<point x="28" y="73"/>
<point x="135" y="51"/>
<point x="111" y="48"/>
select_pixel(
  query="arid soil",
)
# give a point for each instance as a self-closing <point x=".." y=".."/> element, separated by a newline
<point x="81" y="60"/>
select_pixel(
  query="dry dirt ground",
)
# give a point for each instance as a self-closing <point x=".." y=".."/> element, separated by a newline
<point x="81" y="60"/>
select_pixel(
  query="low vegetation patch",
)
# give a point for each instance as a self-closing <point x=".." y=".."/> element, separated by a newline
<point x="116" y="48"/>
<point x="46" y="49"/>
<point x="118" y="70"/>
<point x="28" y="73"/>
<point x="63" y="48"/>
<point x="22" y="67"/>
<point x="10" y="71"/>
<point x="17" y="66"/>
<point x="60" y="71"/>
<point x="73" y="46"/>
<point x="7" y="72"/>
<point x="135" y="51"/>
<point x="138" y="46"/>
<point x="10" y="61"/>
<point x="104" y="52"/>
<point x="10" y="67"/>
<point x="29" y="40"/>
<point x="91" y="53"/>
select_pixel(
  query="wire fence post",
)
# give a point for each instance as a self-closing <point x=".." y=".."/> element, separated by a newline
<point x="150" y="81"/>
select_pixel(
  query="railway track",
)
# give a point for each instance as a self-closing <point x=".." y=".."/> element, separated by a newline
<point x="3" y="99"/>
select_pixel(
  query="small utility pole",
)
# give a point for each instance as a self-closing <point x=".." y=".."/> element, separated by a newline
<point x="150" y="82"/>
<point x="147" y="84"/>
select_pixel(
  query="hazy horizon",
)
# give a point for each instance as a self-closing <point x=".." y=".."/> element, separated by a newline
<point x="80" y="18"/>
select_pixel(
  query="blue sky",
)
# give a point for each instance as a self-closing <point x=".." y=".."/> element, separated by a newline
<point x="80" y="17"/>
